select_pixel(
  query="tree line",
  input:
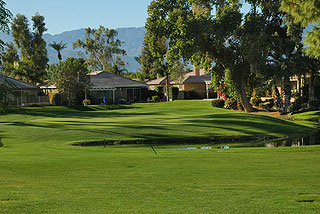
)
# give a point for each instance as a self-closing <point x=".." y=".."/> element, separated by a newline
<point x="242" y="50"/>
<point x="26" y="58"/>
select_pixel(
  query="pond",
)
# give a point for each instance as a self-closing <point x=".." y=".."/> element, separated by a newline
<point x="300" y="141"/>
<point x="209" y="143"/>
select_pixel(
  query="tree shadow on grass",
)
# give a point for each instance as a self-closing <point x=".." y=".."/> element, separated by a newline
<point x="235" y="123"/>
<point x="253" y="125"/>
<point x="82" y="112"/>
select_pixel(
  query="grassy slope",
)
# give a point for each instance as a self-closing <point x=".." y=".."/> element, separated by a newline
<point x="313" y="118"/>
<point x="40" y="173"/>
<point x="311" y="115"/>
<point x="59" y="125"/>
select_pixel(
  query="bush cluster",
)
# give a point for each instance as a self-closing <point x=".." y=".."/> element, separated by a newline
<point x="219" y="103"/>
<point x="86" y="102"/>
<point x="173" y="92"/>
<point x="314" y="104"/>
<point x="296" y="105"/>
<point x="191" y="94"/>
<point x="3" y="108"/>
<point x="256" y="101"/>
<point x="267" y="104"/>
<point x="232" y="104"/>
<point x="156" y="98"/>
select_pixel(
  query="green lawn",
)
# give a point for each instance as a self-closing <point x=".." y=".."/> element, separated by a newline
<point x="41" y="173"/>
<point x="311" y="118"/>
<point x="310" y="115"/>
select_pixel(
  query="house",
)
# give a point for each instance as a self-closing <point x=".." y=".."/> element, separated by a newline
<point x="196" y="81"/>
<point x="112" y="88"/>
<point x="23" y="93"/>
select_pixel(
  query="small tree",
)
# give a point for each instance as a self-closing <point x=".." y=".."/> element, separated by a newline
<point x="70" y="77"/>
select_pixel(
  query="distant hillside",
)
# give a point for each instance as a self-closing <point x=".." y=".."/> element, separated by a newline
<point x="132" y="37"/>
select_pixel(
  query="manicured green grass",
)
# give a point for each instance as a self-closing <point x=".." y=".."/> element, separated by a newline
<point x="184" y="119"/>
<point x="310" y="115"/>
<point x="311" y="118"/>
<point x="41" y="173"/>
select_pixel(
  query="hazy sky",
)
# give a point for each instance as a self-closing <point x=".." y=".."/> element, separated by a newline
<point x="66" y="15"/>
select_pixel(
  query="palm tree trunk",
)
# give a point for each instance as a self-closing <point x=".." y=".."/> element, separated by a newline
<point x="59" y="56"/>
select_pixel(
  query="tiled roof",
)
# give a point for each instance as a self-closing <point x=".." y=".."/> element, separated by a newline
<point x="188" y="78"/>
<point x="159" y="81"/>
<point x="105" y="79"/>
<point x="198" y="79"/>
<point x="17" y="84"/>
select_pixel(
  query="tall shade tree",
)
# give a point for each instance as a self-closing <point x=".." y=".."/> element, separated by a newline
<point x="229" y="43"/>
<point x="32" y="47"/>
<point x="58" y="47"/>
<point x="10" y="60"/>
<point x="165" y="17"/>
<point x="70" y="77"/>
<point x="194" y="34"/>
<point x="102" y="48"/>
<point x="306" y="12"/>
<point x="5" y="18"/>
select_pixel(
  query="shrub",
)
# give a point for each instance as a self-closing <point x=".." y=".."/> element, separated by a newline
<point x="222" y="91"/>
<point x="191" y="94"/>
<point x="256" y="101"/>
<point x="232" y="104"/>
<point x="314" y="104"/>
<point x="292" y="108"/>
<point x="123" y="101"/>
<point x="57" y="99"/>
<point x="86" y="102"/>
<point x="219" y="103"/>
<point x="158" y="89"/>
<point x="3" y="108"/>
<point x="296" y="105"/>
<point x="150" y="94"/>
<point x="268" y="105"/>
<point x="155" y="98"/>
<point x="173" y="92"/>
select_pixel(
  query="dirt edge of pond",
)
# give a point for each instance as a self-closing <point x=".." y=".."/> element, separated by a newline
<point x="176" y="141"/>
<point x="203" y="140"/>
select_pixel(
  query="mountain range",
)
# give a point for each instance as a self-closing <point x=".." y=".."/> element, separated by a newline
<point x="132" y="37"/>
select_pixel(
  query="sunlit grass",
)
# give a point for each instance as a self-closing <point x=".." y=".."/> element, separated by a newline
<point x="41" y="173"/>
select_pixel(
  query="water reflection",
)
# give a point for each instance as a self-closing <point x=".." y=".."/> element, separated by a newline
<point x="203" y="147"/>
<point x="302" y="141"/>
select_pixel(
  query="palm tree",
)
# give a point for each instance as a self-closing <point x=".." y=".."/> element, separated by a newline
<point x="58" y="47"/>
